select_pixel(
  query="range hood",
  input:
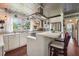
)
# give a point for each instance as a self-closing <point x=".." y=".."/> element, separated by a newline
<point x="39" y="14"/>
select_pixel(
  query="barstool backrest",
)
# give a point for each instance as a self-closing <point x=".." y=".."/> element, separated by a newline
<point x="66" y="40"/>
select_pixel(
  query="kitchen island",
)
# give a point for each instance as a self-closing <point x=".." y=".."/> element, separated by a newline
<point x="39" y="46"/>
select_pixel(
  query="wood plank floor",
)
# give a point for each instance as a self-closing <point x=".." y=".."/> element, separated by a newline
<point x="21" y="51"/>
<point x="73" y="48"/>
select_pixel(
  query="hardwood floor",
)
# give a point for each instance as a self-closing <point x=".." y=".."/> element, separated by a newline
<point x="22" y="51"/>
<point x="73" y="48"/>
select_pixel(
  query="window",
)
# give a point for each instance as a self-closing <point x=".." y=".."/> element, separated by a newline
<point x="21" y="24"/>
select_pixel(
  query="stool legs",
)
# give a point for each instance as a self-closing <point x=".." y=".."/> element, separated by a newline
<point x="55" y="52"/>
<point x="50" y="51"/>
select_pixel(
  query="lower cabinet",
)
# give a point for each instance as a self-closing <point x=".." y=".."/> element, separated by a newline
<point x="6" y="43"/>
<point x="23" y="39"/>
<point x="0" y="51"/>
<point x="14" y="41"/>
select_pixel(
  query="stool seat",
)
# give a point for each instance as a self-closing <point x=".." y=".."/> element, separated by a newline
<point x="59" y="47"/>
<point x="56" y="44"/>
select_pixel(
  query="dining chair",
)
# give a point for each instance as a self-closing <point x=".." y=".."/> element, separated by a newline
<point x="59" y="47"/>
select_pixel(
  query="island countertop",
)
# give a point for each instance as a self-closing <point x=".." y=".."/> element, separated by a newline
<point x="50" y="34"/>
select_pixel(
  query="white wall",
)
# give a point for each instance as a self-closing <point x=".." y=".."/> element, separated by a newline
<point x="3" y="13"/>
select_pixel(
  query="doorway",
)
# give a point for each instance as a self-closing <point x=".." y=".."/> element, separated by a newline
<point x="70" y="28"/>
<point x="70" y="25"/>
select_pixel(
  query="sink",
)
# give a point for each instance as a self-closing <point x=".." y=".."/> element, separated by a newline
<point x="33" y="34"/>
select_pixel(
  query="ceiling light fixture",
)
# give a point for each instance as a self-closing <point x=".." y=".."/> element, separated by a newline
<point x="70" y="20"/>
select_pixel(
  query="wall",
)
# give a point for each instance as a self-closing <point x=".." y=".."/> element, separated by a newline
<point x="9" y="24"/>
<point x="3" y="16"/>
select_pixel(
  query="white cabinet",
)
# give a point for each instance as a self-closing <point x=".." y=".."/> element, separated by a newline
<point x="23" y="39"/>
<point x="13" y="42"/>
<point x="6" y="41"/>
<point x="0" y="51"/>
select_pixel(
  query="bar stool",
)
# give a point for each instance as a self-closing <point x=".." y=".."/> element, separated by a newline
<point x="60" y="47"/>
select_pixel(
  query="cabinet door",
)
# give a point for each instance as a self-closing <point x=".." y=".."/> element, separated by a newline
<point x="6" y="43"/>
<point x="13" y="41"/>
<point x="23" y="39"/>
<point x="0" y="51"/>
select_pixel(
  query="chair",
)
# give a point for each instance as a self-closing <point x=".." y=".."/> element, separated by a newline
<point x="60" y="47"/>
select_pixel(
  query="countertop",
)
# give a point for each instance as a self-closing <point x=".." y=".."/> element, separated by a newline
<point x="31" y="37"/>
<point x="11" y="33"/>
<point x="50" y="34"/>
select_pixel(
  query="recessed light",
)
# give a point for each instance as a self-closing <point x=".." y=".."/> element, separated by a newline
<point x="76" y="19"/>
<point x="70" y="20"/>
